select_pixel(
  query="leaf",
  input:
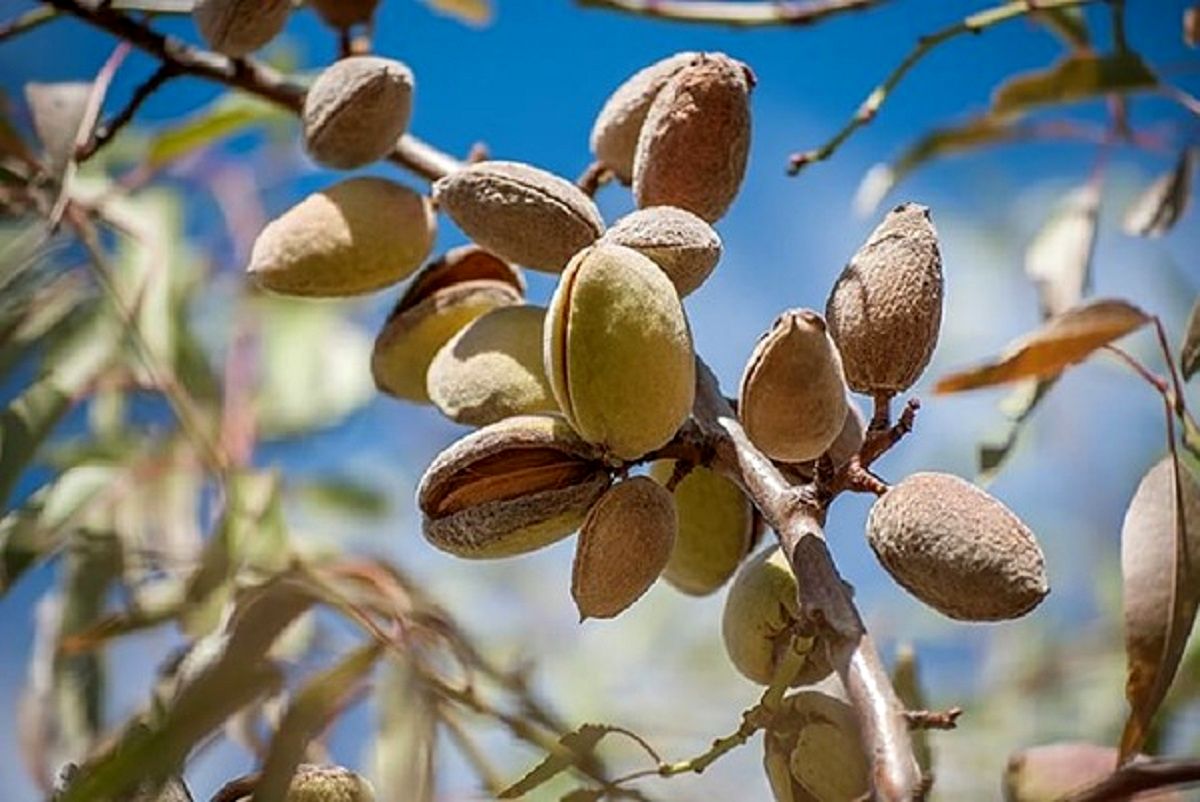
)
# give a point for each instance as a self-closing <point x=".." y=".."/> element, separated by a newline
<point x="1081" y="76"/>
<point x="1059" y="258"/>
<point x="906" y="679"/>
<point x="574" y="747"/>
<point x="1068" y="23"/>
<point x="343" y="496"/>
<point x="584" y="795"/>
<point x="230" y="114"/>
<point x="1061" y="341"/>
<point x="472" y="12"/>
<point x="1163" y="203"/>
<point x="1191" y="26"/>
<point x="317" y="703"/>
<point x="58" y="111"/>
<point x="1160" y="569"/>
<point x="405" y="747"/>
<point x="1018" y="406"/>
<point x="156" y="6"/>
<point x="1189" y="352"/>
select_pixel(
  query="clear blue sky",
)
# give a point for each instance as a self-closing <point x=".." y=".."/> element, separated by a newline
<point x="529" y="86"/>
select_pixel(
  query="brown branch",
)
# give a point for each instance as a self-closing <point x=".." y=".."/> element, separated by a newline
<point x="26" y="22"/>
<point x="107" y="132"/>
<point x="796" y="515"/>
<point x="933" y="719"/>
<point x="740" y="15"/>
<point x="244" y="74"/>
<point x="595" y="176"/>
<point x="1142" y="775"/>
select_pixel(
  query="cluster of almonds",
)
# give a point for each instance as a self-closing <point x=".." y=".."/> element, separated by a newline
<point x="237" y="28"/>
<point x="571" y="396"/>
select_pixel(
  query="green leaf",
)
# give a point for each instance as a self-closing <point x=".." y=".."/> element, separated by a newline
<point x="1081" y="76"/>
<point x="574" y="747"/>
<point x="1189" y="351"/>
<point x="1161" y="205"/>
<point x="231" y="114"/>
<point x="343" y="496"/>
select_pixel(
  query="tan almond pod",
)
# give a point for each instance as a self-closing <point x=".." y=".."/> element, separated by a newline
<point x="818" y="737"/>
<point x="885" y="310"/>
<point x="358" y="236"/>
<point x="693" y="147"/>
<point x="684" y="246"/>
<point x="443" y="297"/>
<point x="957" y="549"/>
<point x="509" y="488"/>
<point x="312" y="783"/>
<point x="623" y="546"/>
<point x="521" y="213"/>
<point x="356" y="111"/>
<point x="237" y="28"/>
<point x="345" y="13"/>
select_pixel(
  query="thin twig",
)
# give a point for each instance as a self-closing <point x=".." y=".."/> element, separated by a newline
<point x="976" y="23"/>
<point x="1142" y="775"/>
<point x="933" y="719"/>
<point x="595" y="176"/>
<point x="26" y="22"/>
<point x="105" y="133"/>
<point x="741" y="15"/>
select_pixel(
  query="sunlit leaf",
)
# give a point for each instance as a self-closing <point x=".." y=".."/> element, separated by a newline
<point x="1059" y="258"/>
<point x="405" y="747"/>
<point x="573" y="747"/>
<point x="316" y="703"/>
<point x="1081" y="76"/>
<point x="58" y="111"/>
<point x="1164" y="202"/>
<point x="1160" y="568"/>
<point x="1062" y="341"/>
<point x="229" y="115"/>
<point x="472" y="12"/>
<point x="1189" y="352"/>
<point x="1068" y="23"/>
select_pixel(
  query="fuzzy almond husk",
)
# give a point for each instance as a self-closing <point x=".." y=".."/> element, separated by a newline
<point x="313" y="783"/>
<point x="684" y="246"/>
<point x="358" y="236"/>
<point x="716" y="525"/>
<point x="618" y="351"/>
<point x="512" y="487"/>
<point x="826" y="761"/>
<point x="692" y="149"/>
<point x="957" y="549"/>
<point x="344" y="13"/>
<point x="356" y="110"/>
<point x="615" y="133"/>
<point x="885" y="310"/>
<point x="623" y="546"/>
<point x="760" y="616"/>
<point x="493" y="368"/>
<point x="521" y="213"/>
<point x="237" y="28"/>
<point x="792" y="400"/>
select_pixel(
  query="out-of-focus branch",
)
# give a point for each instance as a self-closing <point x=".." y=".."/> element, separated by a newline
<point x="105" y="133"/>
<point x="23" y="23"/>
<point x="797" y="516"/>
<point x="741" y="15"/>
<point x="976" y="23"/>
<point x="244" y="74"/>
<point x="1139" y="776"/>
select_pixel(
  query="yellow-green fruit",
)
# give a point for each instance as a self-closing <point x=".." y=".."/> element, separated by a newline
<point x="1051" y="772"/>
<point x="623" y="546"/>
<point x="328" y="784"/>
<point x="443" y="298"/>
<point x="885" y="310"/>
<point x="493" y="369"/>
<point x="716" y="524"/>
<point x="358" y="236"/>
<point x="761" y="615"/>
<point x="239" y="27"/>
<point x="793" y="396"/>
<point x="344" y="13"/>
<point x="957" y="549"/>
<point x="692" y="149"/>
<point x="615" y="133"/>
<point x="356" y="110"/>
<point x="826" y="762"/>
<point x="618" y="351"/>
<point x="509" y="488"/>
<point x="684" y="246"/>
<point x="523" y="214"/>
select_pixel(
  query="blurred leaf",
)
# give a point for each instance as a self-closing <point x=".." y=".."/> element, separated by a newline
<point x="58" y="111"/>
<point x="1189" y="352"/>
<point x="1018" y="406"/>
<point x="906" y="679"/>
<point x="345" y="497"/>
<point x="40" y="317"/>
<point x="1059" y="258"/>
<point x="574" y="747"/>
<point x="156" y="6"/>
<point x="1160" y="569"/>
<point x="230" y="114"/>
<point x="406" y="741"/>
<point x="472" y="12"/>
<point x="1191" y="26"/>
<point x="1062" y="341"/>
<point x="1163" y="203"/>
<point x="1080" y="76"/>
<point x="1068" y="23"/>
<point x="318" y="702"/>
<point x="12" y="144"/>
<point x="584" y="795"/>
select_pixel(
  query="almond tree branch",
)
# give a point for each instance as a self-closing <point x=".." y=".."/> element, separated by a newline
<point x="976" y="23"/>
<point x="23" y="23"/>
<point x="247" y="75"/>
<point x="740" y="15"/>
<point x="105" y="133"/>
<point x="797" y="516"/>
<point x="1139" y="776"/>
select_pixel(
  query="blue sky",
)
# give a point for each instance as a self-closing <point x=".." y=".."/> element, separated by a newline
<point x="529" y="86"/>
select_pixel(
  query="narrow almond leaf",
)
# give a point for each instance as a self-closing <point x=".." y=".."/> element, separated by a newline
<point x="1163" y="203"/>
<point x="1081" y="76"/>
<point x="574" y="747"/>
<point x="472" y="12"/>
<point x="1160" y="569"/>
<point x="1068" y="23"/>
<point x="405" y="746"/>
<point x="1059" y="258"/>
<point x="228" y="115"/>
<point x="1189" y="352"/>
<point x="1061" y="341"/>
<point x="58" y="111"/>
<point x="1018" y="406"/>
